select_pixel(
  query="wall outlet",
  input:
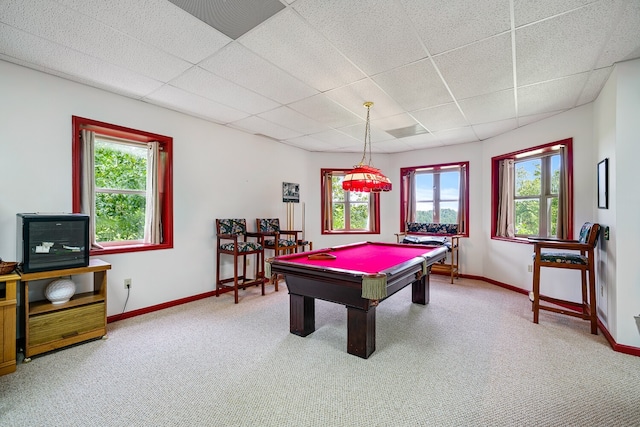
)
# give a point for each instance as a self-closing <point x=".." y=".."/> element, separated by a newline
<point x="127" y="283"/>
<point x="530" y="268"/>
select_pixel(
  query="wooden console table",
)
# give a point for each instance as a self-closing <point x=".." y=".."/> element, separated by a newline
<point x="51" y="326"/>
<point x="8" y="323"/>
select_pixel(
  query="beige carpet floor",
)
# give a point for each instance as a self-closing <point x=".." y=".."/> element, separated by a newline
<point x="472" y="357"/>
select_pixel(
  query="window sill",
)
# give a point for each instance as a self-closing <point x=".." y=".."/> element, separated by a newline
<point x="119" y="249"/>
<point x="512" y="239"/>
<point x="350" y="232"/>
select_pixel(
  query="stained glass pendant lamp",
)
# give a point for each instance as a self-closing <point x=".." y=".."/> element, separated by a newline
<point x="364" y="177"/>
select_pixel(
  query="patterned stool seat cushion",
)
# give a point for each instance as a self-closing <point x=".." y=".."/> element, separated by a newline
<point x="428" y="240"/>
<point x="281" y="242"/>
<point x="563" y="257"/>
<point x="242" y="246"/>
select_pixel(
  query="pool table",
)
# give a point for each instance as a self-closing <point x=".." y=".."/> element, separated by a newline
<point x="359" y="276"/>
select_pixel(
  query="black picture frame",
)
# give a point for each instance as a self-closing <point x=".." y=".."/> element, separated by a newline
<point x="290" y="192"/>
<point x="603" y="184"/>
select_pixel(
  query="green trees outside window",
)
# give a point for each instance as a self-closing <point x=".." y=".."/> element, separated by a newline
<point x="120" y="179"/>
<point x="351" y="214"/>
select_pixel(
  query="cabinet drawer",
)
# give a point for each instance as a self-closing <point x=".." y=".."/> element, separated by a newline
<point x="67" y="323"/>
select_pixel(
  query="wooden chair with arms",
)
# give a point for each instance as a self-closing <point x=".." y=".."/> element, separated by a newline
<point x="569" y="254"/>
<point x="279" y="241"/>
<point x="232" y="239"/>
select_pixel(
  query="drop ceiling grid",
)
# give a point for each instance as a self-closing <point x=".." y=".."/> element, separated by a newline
<point x="550" y="96"/>
<point x="490" y="107"/>
<point x="190" y="103"/>
<point x="256" y="74"/>
<point x="68" y="63"/>
<point x="458" y="24"/>
<point x="426" y="90"/>
<point x="361" y="31"/>
<point x="326" y="111"/>
<point x="165" y="26"/>
<point x="287" y="40"/>
<point x="204" y="83"/>
<point x="562" y="46"/>
<point x="479" y="68"/>
<point x="286" y="117"/>
<point x="80" y="33"/>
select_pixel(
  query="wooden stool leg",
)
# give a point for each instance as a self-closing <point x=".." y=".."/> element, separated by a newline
<point x="536" y="292"/>
<point x="593" y="311"/>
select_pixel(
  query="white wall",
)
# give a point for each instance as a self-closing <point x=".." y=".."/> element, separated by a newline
<point x="616" y="129"/>
<point x="604" y="131"/>
<point x="507" y="262"/>
<point x="218" y="173"/>
<point x="35" y="159"/>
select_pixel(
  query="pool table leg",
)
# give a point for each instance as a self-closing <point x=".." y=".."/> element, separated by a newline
<point x="302" y="315"/>
<point x="361" y="331"/>
<point x="420" y="290"/>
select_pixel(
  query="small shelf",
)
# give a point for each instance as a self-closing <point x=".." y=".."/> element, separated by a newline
<point x="40" y="307"/>
<point x="51" y="326"/>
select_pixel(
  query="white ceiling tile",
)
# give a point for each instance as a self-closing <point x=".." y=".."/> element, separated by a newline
<point x="288" y="41"/>
<point x="64" y="62"/>
<point x="239" y="65"/>
<point x="527" y="11"/>
<point x="312" y="57"/>
<point x="439" y="118"/>
<point x="562" y="46"/>
<point x="623" y="42"/>
<point x="483" y="67"/>
<point x="291" y="119"/>
<point x="85" y="34"/>
<point x="326" y="111"/>
<point x="595" y="82"/>
<point x="308" y="143"/>
<point x="357" y="132"/>
<point x="353" y="97"/>
<point x="426" y="88"/>
<point x="490" y="107"/>
<point x="164" y="26"/>
<point x="525" y="120"/>
<point x="365" y="41"/>
<point x="398" y="121"/>
<point x="488" y="130"/>
<point x="419" y="142"/>
<point x="195" y="105"/>
<point x="456" y="136"/>
<point x="204" y="83"/>
<point x="550" y="96"/>
<point x="261" y="126"/>
<point x="459" y="23"/>
<point x="391" y="146"/>
<point x="337" y="138"/>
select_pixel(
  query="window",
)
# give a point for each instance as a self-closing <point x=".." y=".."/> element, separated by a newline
<point x="122" y="180"/>
<point x="435" y="194"/>
<point x="347" y="211"/>
<point x="532" y="192"/>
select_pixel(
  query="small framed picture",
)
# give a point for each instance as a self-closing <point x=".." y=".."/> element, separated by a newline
<point x="290" y="192"/>
<point x="603" y="184"/>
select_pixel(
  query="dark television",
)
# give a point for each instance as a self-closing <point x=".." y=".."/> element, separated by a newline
<point x="52" y="241"/>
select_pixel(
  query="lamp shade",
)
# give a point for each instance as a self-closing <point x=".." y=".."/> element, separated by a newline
<point x="364" y="178"/>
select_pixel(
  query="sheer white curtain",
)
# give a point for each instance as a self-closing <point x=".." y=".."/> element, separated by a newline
<point x="505" y="226"/>
<point x="562" y="228"/>
<point x="88" y="187"/>
<point x="462" y="202"/>
<point x="152" y="209"/>
<point x="410" y="190"/>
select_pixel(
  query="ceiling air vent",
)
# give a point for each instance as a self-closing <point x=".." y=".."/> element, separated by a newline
<point x="231" y="17"/>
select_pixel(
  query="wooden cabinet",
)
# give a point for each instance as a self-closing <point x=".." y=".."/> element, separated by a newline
<point x="8" y="323"/>
<point x="51" y="326"/>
